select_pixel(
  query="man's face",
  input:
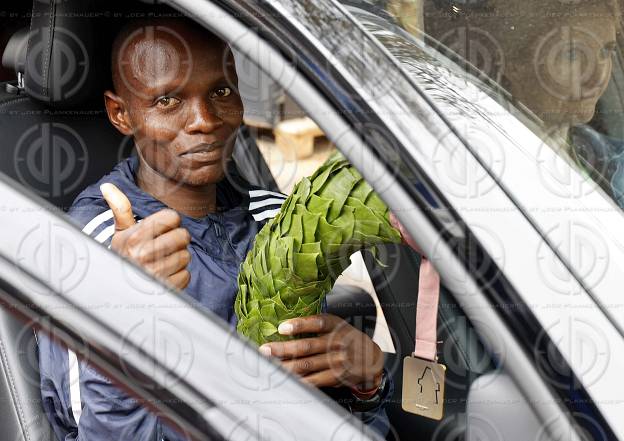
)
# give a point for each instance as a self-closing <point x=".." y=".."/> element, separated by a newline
<point x="177" y="85"/>
<point x="570" y="69"/>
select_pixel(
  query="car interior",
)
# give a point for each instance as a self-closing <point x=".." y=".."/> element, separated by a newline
<point x="76" y="145"/>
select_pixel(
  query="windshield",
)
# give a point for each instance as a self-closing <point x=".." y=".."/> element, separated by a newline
<point x="555" y="65"/>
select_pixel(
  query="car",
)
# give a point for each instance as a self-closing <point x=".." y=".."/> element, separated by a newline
<point x="526" y="240"/>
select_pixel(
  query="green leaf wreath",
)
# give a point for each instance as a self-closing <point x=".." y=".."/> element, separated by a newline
<point x="298" y="255"/>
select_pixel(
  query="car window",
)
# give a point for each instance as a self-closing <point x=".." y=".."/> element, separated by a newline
<point x="556" y="66"/>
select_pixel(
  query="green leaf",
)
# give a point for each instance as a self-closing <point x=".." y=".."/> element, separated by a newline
<point x="305" y="266"/>
<point x="267" y="329"/>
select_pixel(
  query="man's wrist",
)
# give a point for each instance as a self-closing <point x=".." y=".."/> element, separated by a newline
<point x="366" y="404"/>
<point x="362" y="392"/>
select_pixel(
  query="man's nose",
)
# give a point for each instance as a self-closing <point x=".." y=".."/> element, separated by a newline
<point x="203" y="117"/>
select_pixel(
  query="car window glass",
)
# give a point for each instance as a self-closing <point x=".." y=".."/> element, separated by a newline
<point x="557" y="66"/>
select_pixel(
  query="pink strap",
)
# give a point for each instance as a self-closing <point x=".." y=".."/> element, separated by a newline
<point x="427" y="311"/>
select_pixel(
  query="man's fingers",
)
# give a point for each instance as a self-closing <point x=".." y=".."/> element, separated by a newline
<point x="295" y="348"/>
<point x="156" y="224"/>
<point x="324" y="378"/>
<point x="315" y="363"/>
<point x="180" y="279"/>
<point x="169" y="265"/>
<point x="315" y="324"/>
<point x="163" y="245"/>
<point x="120" y="205"/>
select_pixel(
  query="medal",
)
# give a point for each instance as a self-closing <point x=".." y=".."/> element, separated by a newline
<point x="423" y="387"/>
<point x="423" y="376"/>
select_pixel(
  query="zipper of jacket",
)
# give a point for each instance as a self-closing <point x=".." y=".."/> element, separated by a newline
<point x="218" y="228"/>
<point x="221" y="233"/>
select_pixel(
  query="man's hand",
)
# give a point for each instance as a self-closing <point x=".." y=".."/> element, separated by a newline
<point x="340" y="356"/>
<point x="157" y="243"/>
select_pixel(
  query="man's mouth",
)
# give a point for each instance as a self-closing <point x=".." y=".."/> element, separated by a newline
<point x="204" y="152"/>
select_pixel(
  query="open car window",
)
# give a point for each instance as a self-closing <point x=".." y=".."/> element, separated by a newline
<point x="293" y="147"/>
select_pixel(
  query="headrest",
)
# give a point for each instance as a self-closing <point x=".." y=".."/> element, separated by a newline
<point x="67" y="52"/>
<point x="60" y="68"/>
<point x="14" y="55"/>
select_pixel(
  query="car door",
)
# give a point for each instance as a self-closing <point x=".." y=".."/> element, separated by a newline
<point x="407" y="134"/>
<point x="338" y="74"/>
<point x="188" y="366"/>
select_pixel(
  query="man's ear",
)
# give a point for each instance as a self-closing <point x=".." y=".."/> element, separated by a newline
<point x="117" y="114"/>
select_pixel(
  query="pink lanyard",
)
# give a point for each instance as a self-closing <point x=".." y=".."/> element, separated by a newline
<point x="427" y="311"/>
<point x="426" y="334"/>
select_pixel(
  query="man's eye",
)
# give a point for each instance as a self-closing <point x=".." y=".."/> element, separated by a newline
<point x="221" y="92"/>
<point x="166" y="102"/>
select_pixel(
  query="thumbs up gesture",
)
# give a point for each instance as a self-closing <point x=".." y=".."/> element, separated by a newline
<point x="157" y="243"/>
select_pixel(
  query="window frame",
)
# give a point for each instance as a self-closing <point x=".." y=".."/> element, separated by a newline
<point x="287" y="24"/>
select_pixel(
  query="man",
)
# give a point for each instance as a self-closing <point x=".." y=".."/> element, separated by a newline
<point x="171" y="211"/>
<point x="553" y="57"/>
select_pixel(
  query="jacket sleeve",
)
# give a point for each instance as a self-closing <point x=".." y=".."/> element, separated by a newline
<point x="80" y="403"/>
<point x="108" y="413"/>
<point x="377" y="418"/>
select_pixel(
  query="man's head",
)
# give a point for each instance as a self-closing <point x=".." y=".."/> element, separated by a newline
<point x="553" y="56"/>
<point x="175" y="93"/>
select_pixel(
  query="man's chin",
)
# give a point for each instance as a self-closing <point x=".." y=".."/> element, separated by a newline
<point x="205" y="175"/>
<point x="573" y="115"/>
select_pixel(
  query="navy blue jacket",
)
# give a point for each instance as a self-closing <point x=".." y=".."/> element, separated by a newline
<point x="82" y="404"/>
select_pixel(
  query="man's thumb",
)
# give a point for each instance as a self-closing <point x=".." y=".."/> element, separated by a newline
<point x="119" y="203"/>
